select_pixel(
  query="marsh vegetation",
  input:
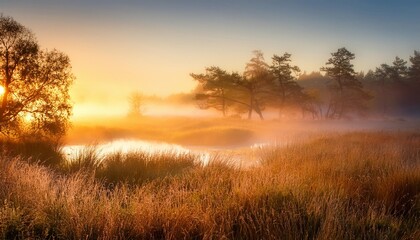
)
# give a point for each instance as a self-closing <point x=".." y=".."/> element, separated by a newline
<point x="363" y="185"/>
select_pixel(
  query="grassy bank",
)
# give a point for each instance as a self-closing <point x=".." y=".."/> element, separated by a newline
<point x="343" y="186"/>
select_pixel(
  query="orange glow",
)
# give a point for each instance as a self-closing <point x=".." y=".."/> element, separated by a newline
<point x="2" y="90"/>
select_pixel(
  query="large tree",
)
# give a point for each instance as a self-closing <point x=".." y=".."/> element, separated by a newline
<point x="256" y="84"/>
<point x="35" y="84"/>
<point x="347" y="92"/>
<point x="286" y="90"/>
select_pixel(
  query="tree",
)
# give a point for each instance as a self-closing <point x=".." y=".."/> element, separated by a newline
<point x="398" y="71"/>
<point x="414" y="70"/>
<point x="369" y="77"/>
<point x="394" y="84"/>
<point x="347" y="92"/>
<point x="414" y="80"/>
<point x="256" y="84"/>
<point x="136" y="104"/>
<point x="310" y="101"/>
<point x="215" y="89"/>
<point x="285" y="89"/>
<point x="383" y="76"/>
<point x="35" y="83"/>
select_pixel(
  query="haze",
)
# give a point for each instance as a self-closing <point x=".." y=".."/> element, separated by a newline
<point x="152" y="46"/>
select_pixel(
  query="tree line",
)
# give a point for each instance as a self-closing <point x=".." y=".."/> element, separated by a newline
<point x="340" y="93"/>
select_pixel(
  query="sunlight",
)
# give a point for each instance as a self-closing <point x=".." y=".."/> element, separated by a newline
<point x="2" y="90"/>
<point x="28" y="118"/>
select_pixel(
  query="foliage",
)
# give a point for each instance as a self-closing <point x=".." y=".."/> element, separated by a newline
<point x="261" y="85"/>
<point x="256" y="84"/>
<point x="383" y="75"/>
<point x="398" y="72"/>
<point x="216" y="89"/>
<point x="285" y="78"/>
<point x="286" y="89"/>
<point x="414" y="70"/>
<point x="36" y="84"/>
<point x="347" y="92"/>
<point x="393" y="88"/>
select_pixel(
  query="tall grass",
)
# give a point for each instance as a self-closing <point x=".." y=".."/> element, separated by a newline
<point x="42" y="151"/>
<point x="349" y="186"/>
<point x="132" y="168"/>
<point x="136" y="168"/>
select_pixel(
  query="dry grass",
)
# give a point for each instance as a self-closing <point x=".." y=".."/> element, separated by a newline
<point x="349" y="186"/>
<point x="137" y="168"/>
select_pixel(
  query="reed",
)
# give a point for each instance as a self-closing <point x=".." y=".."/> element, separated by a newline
<point x="343" y="186"/>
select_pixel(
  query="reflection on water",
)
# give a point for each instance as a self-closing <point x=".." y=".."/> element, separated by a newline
<point x="243" y="157"/>
<point x="126" y="146"/>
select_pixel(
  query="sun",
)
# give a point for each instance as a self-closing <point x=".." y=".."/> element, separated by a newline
<point x="1" y="90"/>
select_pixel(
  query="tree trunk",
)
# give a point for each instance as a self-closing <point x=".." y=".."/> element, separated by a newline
<point x="327" y="115"/>
<point x="6" y="88"/>
<point x="258" y="110"/>
<point x="383" y="99"/>
<point x="251" y="107"/>
<point x="224" y="105"/>
<point x="320" y="111"/>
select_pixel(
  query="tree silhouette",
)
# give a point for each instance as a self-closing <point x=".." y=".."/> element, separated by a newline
<point x="414" y="80"/>
<point x="396" y="88"/>
<point x="216" y="89"/>
<point x="383" y="76"/>
<point x="414" y="70"/>
<point x="256" y="84"/>
<point x="398" y="71"/>
<point x="285" y="88"/>
<point x="311" y="102"/>
<point x="341" y="89"/>
<point x="36" y="84"/>
<point x="347" y="91"/>
<point x="136" y="104"/>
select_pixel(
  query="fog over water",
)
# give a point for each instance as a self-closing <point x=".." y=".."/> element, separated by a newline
<point x="238" y="155"/>
<point x="189" y="130"/>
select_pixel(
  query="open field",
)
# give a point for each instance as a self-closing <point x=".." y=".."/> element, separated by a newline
<point x="348" y="185"/>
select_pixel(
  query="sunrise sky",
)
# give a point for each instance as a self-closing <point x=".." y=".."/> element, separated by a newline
<point x="117" y="47"/>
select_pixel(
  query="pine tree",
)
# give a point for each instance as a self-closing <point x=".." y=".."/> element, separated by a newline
<point x="285" y="89"/>
<point x="347" y="92"/>
<point x="414" y="70"/>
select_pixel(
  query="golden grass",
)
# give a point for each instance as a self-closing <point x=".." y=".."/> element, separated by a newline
<point x="344" y="186"/>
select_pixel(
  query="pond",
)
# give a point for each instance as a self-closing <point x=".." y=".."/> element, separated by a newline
<point x="243" y="156"/>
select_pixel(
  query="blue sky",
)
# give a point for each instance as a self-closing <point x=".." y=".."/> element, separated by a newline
<point x="152" y="46"/>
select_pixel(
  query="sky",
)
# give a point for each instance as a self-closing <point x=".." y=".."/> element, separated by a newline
<point x="117" y="47"/>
